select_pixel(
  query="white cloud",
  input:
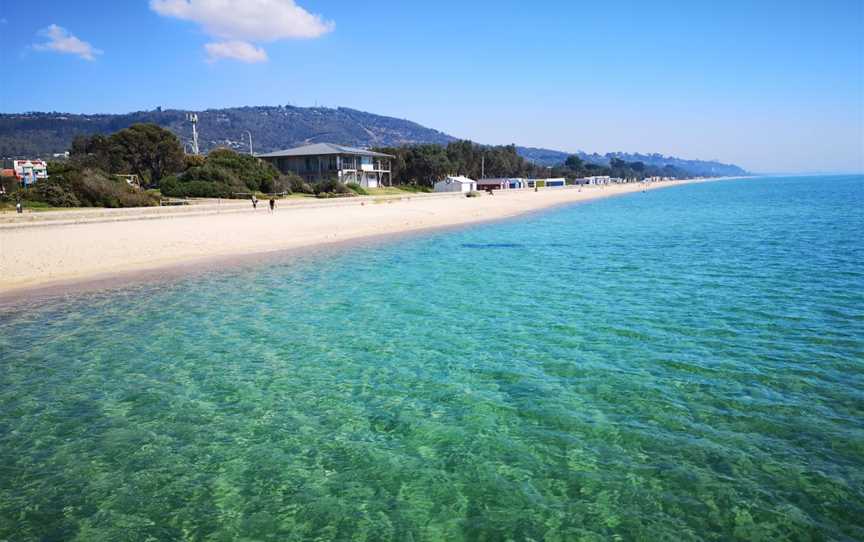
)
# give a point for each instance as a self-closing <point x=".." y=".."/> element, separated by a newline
<point x="235" y="50"/>
<point x="238" y="22"/>
<point x="61" y="41"/>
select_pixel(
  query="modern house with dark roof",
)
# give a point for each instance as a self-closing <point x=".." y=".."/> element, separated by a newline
<point x="326" y="160"/>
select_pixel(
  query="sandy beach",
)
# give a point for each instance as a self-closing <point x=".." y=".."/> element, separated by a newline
<point x="44" y="254"/>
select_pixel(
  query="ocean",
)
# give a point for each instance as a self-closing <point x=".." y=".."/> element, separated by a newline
<point x="681" y="364"/>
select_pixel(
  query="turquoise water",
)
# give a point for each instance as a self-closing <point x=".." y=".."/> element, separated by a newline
<point x="685" y="364"/>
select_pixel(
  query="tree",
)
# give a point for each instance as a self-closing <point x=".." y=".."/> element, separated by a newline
<point x="145" y="150"/>
<point x="574" y="163"/>
<point x="149" y="151"/>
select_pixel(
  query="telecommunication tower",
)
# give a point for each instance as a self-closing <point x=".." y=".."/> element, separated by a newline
<point x="193" y="118"/>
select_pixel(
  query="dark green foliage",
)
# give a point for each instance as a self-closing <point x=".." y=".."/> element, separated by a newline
<point x="357" y="189"/>
<point x="256" y="175"/>
<point x="296" y="184"/>
<point x="145" y="150"/>
<point x="574" y="167"/>
<point x="9" y="184"/>
<point x="330" y="186"/>
<point x="423" y="165"/>
<point x="53" y="193"/>
<point x="224" y="174"/>
<point x="172" y="187"/>
<point x="70" y="186"/>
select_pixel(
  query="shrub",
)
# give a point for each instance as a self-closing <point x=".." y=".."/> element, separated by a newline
<point x="176" y="188"/>
<point x="330" y="186"/>
<point x="9" y="184"/>
<point x="296" y="184"/>
<point x="53" y="193"/>
<point x="357" y="189"/>
<point x="282" y="185"/>
<point x="256" y="174"/>
<point x="97" y="189"/>
<point x="472" y="194"/>
<point x="193" y="160"/>
<point x="71" y="187"/>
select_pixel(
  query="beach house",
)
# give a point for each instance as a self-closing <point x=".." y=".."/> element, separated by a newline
<point x="456" y="184"/>
<point x="30" y="171"/>
<point x="329" y="161"/>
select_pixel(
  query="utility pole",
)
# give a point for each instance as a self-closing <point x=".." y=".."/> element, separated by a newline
<point x="250" y="143"/>
<point x="483" y="166"/>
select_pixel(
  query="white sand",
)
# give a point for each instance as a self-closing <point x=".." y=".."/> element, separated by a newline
<point x="40" y="255"/>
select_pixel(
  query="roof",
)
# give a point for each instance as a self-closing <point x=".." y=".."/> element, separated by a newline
<point x="319" y="149"/>
<point x="500" y="180"/>
<point x="460" y="179"/>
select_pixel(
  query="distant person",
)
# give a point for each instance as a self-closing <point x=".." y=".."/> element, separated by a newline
<point x="272" y="205"/>
<point x="254" y="202"/>
<point x="19" y="208"/>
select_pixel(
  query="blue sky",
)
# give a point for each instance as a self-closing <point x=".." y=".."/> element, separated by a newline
<point x="774" y="86"/>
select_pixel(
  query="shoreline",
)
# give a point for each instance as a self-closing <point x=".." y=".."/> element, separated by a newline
<point x="45" y="259"/>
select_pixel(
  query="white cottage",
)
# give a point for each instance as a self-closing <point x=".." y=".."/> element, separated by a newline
<point x="456" y="184"/>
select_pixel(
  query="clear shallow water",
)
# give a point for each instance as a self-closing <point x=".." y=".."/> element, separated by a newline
<point x="686" y="364"/>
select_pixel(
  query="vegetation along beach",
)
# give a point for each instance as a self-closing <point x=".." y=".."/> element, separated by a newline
<point x="319" y="270"/>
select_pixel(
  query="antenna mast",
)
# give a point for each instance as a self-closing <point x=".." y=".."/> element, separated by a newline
<point x="193" y="118"/>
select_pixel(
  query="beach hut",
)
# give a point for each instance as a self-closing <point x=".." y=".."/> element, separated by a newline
<point x="456" y="184"/>
<point x="500" y="184"/>
<point x="558" y="182"/>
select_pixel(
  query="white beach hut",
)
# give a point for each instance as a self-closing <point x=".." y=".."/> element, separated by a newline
<point x="456" y="184"/>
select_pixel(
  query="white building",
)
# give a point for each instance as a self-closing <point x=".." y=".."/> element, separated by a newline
<point x="508" y="183"/>
<point x="556" y="182"/>
<point x="456" y="184"/>
<point x="595" y="181"/>
<point x="30" y="171"/>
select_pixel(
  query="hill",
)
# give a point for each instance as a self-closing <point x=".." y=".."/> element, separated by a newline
<point x="274" y="128"/>
<point x="704" y="168"/>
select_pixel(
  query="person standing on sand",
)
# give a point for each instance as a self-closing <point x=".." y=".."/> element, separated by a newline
<point x="272" y="205"/>
<point x="254" y="202"/>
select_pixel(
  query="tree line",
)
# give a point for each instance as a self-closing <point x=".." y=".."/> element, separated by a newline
<point x="423" y="165"/>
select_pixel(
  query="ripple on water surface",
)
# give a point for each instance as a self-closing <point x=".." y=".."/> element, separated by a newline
<point x="684" y="364"/>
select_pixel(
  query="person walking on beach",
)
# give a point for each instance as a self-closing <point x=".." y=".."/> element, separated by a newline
<point x="19" y="207"/>
<point x="254" y="202"/>
<point x="272" y="205"/>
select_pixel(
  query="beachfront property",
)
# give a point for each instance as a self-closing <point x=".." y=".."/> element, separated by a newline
<point x="456" y="184"/>
<point x="500" y="184"/>
<point x="30" y="171"/>
<point x="557" y="182"/>
<point x="327" y="160"/>
<point x="597" y="180"/>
